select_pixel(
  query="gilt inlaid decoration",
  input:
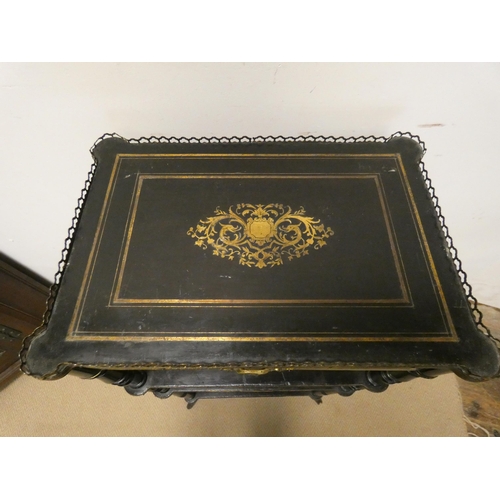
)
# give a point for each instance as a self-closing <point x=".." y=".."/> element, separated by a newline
<point x="260" y="235"/>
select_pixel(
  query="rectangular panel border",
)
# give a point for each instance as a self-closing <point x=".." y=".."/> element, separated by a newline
<point x="74" y="335"/>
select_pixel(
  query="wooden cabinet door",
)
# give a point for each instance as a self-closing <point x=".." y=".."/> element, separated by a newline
<point x="22" y="305"/>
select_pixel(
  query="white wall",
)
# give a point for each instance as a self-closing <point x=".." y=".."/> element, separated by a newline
<point x="50" y="115"/>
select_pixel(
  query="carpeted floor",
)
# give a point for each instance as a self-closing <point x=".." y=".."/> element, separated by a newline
<point x="75" y="407"/>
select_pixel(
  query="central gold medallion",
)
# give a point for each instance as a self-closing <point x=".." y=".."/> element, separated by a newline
<point x="259" y="229"/>
<point x="260" y="235"/>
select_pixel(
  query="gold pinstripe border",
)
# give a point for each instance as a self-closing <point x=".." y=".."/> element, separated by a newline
<point x="117" y="300"/>
<point x="73" y="334"/>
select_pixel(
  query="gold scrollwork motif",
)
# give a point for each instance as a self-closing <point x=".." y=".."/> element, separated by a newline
<point x="260" y="235"/>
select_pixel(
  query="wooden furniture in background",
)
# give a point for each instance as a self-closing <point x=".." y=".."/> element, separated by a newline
<point x="22" y="305"/>
<point x="481" y="401"/>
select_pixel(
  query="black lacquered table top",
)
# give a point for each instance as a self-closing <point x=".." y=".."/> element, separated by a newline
<point x="259" y="255"/>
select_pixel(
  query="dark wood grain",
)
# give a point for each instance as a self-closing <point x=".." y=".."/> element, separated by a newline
<point x="22" y="305"/>
<point x="481" y="401"/>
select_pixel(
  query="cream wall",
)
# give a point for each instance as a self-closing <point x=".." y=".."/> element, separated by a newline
<point x="50" y="115"/>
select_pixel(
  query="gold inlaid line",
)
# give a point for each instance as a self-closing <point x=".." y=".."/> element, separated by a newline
<point x="269" y="337"/>
<point x="258" y="176"/>
<point x="117" y="300"/>
<point x="390" y="232"/>
<point x="120" y="258"/>
<point x="256" y="155"/>
<point x="428" y="250"/>
<point x="129" y="236"/>
<point x="262" y="301"/>
<point x="82" y="295"/>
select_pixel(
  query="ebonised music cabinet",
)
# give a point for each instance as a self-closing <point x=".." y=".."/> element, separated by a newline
<point x="243" y="267"/>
